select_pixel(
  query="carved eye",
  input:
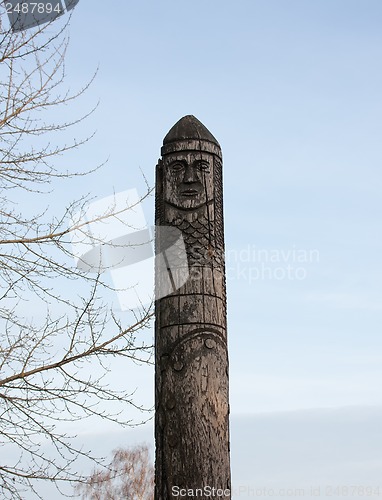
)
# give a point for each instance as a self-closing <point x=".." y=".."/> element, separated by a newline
<point x="204" y="167"/>
<point x="176" y="167"/>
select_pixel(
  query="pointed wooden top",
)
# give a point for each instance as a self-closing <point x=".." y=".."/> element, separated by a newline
<point x="187" y="128"/>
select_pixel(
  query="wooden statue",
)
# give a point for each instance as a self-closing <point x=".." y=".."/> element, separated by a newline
<point x="191" y="380"/>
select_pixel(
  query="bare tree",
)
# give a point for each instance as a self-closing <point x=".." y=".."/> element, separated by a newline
<point x="130" y="476"/>
<point x="57" y="334"/>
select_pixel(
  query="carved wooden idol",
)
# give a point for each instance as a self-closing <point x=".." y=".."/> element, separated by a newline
<point x="191" y="381"/>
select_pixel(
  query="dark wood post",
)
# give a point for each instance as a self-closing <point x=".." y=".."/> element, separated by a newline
<point x="191" y="378"/>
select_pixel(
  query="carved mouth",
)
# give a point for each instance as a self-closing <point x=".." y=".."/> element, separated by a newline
<point x="190" y="192"/>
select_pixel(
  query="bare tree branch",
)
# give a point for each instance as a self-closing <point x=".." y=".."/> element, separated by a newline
<point x="59" y="338"/>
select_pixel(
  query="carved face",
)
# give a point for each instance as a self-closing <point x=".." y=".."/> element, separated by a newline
<point x="188" y="179"/>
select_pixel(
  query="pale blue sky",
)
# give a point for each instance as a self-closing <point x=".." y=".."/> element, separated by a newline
<point x="293" y="92"/>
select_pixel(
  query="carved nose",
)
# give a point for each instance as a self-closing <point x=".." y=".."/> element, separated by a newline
<point x="189" y="175"/>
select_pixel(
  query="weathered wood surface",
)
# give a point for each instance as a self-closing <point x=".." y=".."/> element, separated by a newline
<point x="191" y="380"/>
